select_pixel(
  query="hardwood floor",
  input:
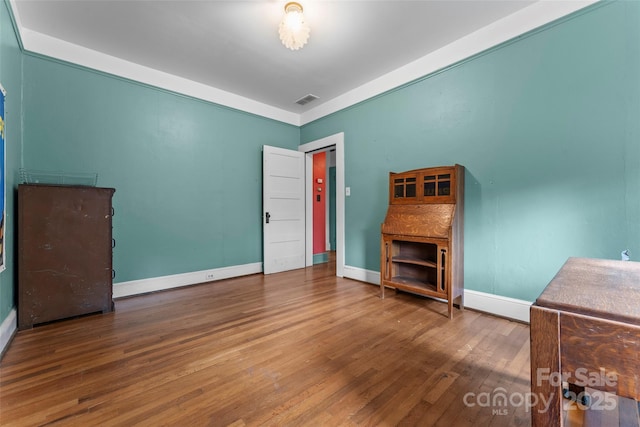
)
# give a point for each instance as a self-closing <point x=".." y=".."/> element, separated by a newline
<point x="295" y="348"/>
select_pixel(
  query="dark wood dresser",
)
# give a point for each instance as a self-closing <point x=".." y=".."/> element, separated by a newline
<point x="64" y="252"/>
<point x="585" y="331"/>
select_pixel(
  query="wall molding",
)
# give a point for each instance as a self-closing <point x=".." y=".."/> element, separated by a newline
<point x="153" y="284"/>
<point x="535" y="16"/>
<point x="8" y="328"/>
<point x="362" y="275"/>
<point x="497" y="305"/>
<point x="47" y="46"/>
<point x="495" y="34"/>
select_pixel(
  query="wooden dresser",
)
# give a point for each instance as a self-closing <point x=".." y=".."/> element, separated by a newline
<point x="585" y="330"/>
<point x="422" y="234"/>
<point x="65" y="246"/>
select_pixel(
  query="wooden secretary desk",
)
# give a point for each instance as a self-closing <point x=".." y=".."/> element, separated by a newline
<point x="422" y="234"/>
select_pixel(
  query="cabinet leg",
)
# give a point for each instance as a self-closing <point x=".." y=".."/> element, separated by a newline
<point x="545" y="358"/>
<point x="381" y="291"/>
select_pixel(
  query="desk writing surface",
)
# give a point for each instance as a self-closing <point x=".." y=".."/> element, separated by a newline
<point x="596" y="287"/>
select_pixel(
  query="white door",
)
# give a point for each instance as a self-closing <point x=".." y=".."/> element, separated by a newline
<point x="283" y="212"/>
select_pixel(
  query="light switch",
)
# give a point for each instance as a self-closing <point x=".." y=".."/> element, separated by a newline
<point x="347" y="191"/>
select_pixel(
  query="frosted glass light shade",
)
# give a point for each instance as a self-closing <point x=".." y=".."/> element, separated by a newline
<point x="293" y="30"/>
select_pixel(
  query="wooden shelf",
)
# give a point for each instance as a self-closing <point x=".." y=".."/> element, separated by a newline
<point x="410" y="282"/>
<point x="416" y="261"/>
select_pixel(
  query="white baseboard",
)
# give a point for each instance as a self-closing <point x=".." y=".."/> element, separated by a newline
<point x="494" y="304"/>
<point x="135" y="287"/>
<point x="489" y="303"/>
<point x="498" y="305"/>
<point x="362" y="275"/>
<point x="7" y="329"/>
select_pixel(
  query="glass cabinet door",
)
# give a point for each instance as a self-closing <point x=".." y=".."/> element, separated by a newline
<point x="404" y="187"/>
<point x="429" y="186"/>
<point x="444" y="185"/>
<point x="437" y="185"/>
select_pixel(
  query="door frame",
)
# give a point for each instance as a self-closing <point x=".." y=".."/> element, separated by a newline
<point x="336" y="140"/>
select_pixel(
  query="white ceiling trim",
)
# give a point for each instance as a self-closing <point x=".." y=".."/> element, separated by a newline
<point x="527" y="19"/>
<point x="505" y="29"/>
<point x="59" y="49"/>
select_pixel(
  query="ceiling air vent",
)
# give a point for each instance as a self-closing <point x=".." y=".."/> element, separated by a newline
<point x="306" y="99"/>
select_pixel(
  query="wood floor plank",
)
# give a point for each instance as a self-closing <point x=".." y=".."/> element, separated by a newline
<point x="296" y="348"/>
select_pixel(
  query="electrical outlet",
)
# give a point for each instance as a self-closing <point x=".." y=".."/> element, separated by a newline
<point x="210" y="275"/>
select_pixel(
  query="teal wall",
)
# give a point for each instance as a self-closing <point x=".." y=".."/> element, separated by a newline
<point x="187" y="173"/>
<point x="548" y="127"/>
<point x="10" y="77"/>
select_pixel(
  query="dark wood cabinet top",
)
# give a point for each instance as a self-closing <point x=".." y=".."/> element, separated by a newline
<point x="65" y="187"/>
<point x="607" y="289"/>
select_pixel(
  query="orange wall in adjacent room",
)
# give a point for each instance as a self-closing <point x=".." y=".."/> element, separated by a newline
<point x="319" y="202"/>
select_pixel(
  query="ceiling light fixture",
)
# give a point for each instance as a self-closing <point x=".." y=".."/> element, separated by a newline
<point x="293" y="30"/>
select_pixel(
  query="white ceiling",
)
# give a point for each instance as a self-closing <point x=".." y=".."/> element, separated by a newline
<point x="233" y="46"/>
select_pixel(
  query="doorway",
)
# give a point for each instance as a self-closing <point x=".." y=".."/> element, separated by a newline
<point x="324" y="205"/>
<point x="336" y="142"/>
